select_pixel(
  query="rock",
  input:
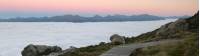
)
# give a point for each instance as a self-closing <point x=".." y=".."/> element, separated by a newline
<point x="69" y="50"/>
<point x="102" y="43"/>
<point x="173" y="29"/>
<point x="60" y="53"/>
<point x="40" y="50"/>
<point x="117" y="39"/>
<point x="170" y="29"/>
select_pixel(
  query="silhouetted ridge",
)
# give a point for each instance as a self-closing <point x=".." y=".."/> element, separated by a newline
<point x="77" y="18"/>
<point x="194" y="22"/>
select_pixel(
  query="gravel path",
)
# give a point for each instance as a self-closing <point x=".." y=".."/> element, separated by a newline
<point x="126" y="50"/>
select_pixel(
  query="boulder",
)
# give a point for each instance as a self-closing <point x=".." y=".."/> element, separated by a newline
<point x="40" y="50"/>
<point x="117" y="39"/>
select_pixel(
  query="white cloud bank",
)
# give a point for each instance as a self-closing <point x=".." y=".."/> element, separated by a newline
<point x="15" y="36"/>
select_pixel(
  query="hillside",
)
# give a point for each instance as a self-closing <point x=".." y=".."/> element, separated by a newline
<point x="185" y="30"/>
<point x="173" y="30"/>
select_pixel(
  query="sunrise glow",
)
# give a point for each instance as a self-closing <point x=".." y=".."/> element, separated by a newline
<point x="102" y="7"/>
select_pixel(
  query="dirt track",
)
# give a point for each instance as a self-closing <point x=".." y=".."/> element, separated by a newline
<point x="126" y="50"/>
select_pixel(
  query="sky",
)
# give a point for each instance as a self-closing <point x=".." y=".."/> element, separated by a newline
<point x="33" y="8"/>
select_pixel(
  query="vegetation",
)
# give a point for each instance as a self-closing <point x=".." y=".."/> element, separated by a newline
<point x="93" y="50"/>
<point x="186" y="47"/>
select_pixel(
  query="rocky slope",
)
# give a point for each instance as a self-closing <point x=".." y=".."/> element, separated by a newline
<point x="183" y="29"/>
<point x="173" y="30"/>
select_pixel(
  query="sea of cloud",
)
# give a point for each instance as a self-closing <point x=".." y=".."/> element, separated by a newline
<point x="14" y="36"/>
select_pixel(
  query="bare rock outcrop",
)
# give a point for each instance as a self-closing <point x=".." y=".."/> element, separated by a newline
<point x="117" y="39"/>
<point x="39" y="50"/>
<point x="172" y="28"/>
<point x="43" y="50"/>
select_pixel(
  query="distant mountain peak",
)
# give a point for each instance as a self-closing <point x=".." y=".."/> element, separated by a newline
<point x="77" y="18"/>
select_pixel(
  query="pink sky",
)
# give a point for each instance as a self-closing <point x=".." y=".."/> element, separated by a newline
<point x="102" y="7"/>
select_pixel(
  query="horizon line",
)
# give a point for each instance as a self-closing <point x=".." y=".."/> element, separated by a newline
<point x="86" y="16"/>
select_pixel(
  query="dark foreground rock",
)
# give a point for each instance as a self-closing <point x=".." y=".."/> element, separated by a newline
<point x="43" y="50"/>
<point x="39" y="50"/>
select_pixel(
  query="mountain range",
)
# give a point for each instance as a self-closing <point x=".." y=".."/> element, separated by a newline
<point x="77" y="18"/>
